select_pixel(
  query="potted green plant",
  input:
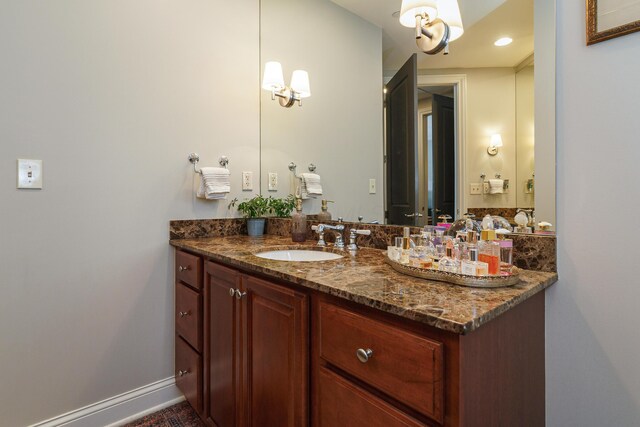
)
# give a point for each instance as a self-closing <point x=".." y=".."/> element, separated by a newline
<point x="282" y="208"/>
<point x="255" y="210"/>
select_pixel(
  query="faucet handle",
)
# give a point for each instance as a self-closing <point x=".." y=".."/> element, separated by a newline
<point x="352" y="237"/>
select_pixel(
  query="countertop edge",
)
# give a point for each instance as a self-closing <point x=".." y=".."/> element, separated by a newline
<point x="430" y="320"/>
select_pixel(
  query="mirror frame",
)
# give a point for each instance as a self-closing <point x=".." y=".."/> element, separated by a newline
<point x="595" y="36"/>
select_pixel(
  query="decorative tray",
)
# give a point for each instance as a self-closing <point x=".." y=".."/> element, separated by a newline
<point x="457" y="279"/>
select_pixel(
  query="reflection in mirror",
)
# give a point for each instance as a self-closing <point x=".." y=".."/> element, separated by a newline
<point x="351" y="50"/>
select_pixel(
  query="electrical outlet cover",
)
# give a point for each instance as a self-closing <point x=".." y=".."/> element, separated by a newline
<point x="273" y="181"/>
<point x="247" y="181"/>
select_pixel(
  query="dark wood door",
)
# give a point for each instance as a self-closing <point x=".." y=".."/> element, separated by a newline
<point x="401" y="106"/>
<point x="444" y="175"/>
<point x="276" y="341"/>
<point x="222" y="391"/>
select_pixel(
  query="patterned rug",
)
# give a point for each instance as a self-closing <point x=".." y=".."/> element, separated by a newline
<point x="180" y="415"/>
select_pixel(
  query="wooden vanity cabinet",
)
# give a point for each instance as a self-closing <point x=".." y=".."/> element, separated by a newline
<point x="256" y="351"/>
<point x="370" y="368"/>
<point x="188" y="326"/>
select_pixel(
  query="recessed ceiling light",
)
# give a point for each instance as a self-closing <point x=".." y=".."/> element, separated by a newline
<point x="504" y="41"/>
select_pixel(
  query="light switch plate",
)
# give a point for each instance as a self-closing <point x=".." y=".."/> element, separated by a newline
<point x="485" y="187"/>
<point x="30" y="174"/>
<point x="372" y="186"/>
<point x="273" y="181"/>
<point x="247" y="181"/>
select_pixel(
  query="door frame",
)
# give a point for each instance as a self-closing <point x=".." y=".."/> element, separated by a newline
<point x="459" y="83"/>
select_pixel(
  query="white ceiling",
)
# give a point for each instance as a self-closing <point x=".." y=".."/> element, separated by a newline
<point x="484" y="22"/>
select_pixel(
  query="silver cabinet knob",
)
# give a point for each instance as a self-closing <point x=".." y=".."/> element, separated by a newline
<point x="184" y="313"/>
<point x="183" y="373"/>
<point x="232" y="292"/>
<point x="364" y="355"/>
<point x="240" y="294"/>
<point x="181" y="268"/>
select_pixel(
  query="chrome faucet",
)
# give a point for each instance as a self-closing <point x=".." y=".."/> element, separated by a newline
<point x="353" y="234"/>
<point x="337" y="230"/>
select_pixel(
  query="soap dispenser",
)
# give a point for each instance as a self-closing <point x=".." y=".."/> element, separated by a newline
<point x="298" y="223"/>
<point x="325" y="215"/>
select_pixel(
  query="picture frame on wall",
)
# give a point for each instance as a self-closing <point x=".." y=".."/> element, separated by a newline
<point x="607" y="19"/>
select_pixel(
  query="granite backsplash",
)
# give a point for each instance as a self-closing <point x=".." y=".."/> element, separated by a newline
<point x="531" y="251"/>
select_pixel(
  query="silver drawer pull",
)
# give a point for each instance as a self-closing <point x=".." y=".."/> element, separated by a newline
<point x="184" y="313"/>
<point x="364" y="355"/>
<point x="181" y="268"/>
<point x="183" y="373"/>
<point x="232" y="292"/>
<point x="240" y="294"/>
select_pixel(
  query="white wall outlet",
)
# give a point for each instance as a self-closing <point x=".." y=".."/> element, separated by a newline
<point x="485" y="187"/>
<point x="475" y="188"/>
<point x="273" y="181"/>
<point x="372" y="186"/>
<point x="30" y="174"/>
<point x="247" y="181"/>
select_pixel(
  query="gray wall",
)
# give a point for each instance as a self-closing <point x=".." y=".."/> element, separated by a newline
<point x="593" y="345"/>
<point x="112" y="95"/>
<point x="339" y="128"/>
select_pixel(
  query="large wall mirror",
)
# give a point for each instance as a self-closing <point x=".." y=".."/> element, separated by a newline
<point x="473" y="132"/>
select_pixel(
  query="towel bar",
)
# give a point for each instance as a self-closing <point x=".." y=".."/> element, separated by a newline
<point x="194" y="158"/>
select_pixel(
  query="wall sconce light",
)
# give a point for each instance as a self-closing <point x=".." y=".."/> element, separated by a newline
<point x="437" y="22"/>
<point x="496" y="142"/>
<point x="273" y="81"/>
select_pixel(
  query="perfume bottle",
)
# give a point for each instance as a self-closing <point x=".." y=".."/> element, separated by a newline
<point x="489" y="251"/>
<point x="473" y="267"/>
<point x="506" y="256"/>
<point x="406" y="246"/>
<point x="448" y="263"/>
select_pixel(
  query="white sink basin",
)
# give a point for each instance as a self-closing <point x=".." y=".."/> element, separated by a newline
<point x="298" y="255"/>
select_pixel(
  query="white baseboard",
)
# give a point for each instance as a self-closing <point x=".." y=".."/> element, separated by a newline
<point x="120" y="409"/>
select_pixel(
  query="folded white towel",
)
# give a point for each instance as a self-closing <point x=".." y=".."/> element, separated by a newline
<point x="496" y="186"/>
<point x="311" y="184"/>
<point x="214" y="183"/>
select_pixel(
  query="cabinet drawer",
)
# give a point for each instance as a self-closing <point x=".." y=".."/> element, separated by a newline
<point x="189" y="373"/>
<point x="189" y="269"/>
<point x="344" y="404"/>
<point x="405" y="366"/>
<point x="188" y="315"/>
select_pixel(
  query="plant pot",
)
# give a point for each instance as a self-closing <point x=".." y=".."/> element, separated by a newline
<point x="255" y="226"/>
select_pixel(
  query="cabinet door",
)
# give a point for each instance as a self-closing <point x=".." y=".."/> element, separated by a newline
<point x="275" y="321"/>
<point x="221" y="346"/>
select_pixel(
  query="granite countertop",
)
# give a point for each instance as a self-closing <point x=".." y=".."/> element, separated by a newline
<point x="366" y="279"/>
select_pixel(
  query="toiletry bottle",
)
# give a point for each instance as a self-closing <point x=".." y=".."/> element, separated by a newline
<point x="506" y="256"/>
<point x="406" y="246"/>
<point x="324" y="214"/>
<point x="489" y="251"/>
<point x="448" y="263"/>
<point x="473" y="267"/>
<point x="298" y="223"/>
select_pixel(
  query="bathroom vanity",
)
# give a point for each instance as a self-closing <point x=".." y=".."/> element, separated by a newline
<point x="350" y="342"/>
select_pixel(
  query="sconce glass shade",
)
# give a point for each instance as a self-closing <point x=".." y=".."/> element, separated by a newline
<point x="449" y="12"/>
<point x="273" y="79"/>
<point x="411" y="8"/>
<point x="300" y="83"/>
<point x="496" y="140"/>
